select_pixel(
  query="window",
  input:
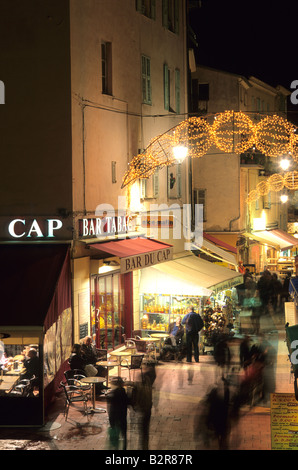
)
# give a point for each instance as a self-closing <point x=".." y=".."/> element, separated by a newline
<point x="170" y="15"/>
<point x="146" y="80"/>
<point x="177" y="90"/>
<point x="167" y="85"/>
<point x="150" y="187"/>
<point x="199" y="197"/>
<point x="106" y="310"/>
<point x="174" y="182"/>
<point x="106" y="67"/>
<point x="147" y="8"/>
<point x="267" y="201"/>
<point x="199" y="96"/>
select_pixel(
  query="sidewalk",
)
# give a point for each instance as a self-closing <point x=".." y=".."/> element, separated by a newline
<point x="179" y="391"/>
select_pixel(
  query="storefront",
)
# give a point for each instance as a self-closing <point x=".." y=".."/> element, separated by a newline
<point x="167" y="290"/>
<point x="35" y="330"/>
<point x="105" y="280"/>
<point x="276" y="250"/>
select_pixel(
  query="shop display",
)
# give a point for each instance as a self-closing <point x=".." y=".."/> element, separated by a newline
<point x="157" y="311"/>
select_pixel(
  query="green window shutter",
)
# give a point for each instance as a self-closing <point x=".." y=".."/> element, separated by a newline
<point x="139" y="4"/>
<point x="179" y="182"/>
<point x="153" y="9"/>
<point x="143" y="184"/>
<point x="165" y="13"/>
<point x="177" y="90"/>
<point x="176" y="19"/>
<point x="166" y="86"/>
<point x="156" y="184"/>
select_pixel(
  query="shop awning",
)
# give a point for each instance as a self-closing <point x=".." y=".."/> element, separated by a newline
<point x="29" y="275"/>
<point x="193" y="271"/>
<point x="136" y="253"/>
<point x="218" y="242"/>
<point x="216" y="252"/>
<point x="276" y="238"/>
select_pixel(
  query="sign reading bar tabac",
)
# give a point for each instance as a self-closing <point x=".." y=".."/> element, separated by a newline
<point x="144" y="260"/>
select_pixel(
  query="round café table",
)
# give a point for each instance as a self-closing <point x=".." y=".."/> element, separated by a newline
<point x="93" y="381"/>
<point x="149" y="339"/>
<point x="109" y="365"/>
<point x="160" y="336"/>
<point x="119" y="355"/>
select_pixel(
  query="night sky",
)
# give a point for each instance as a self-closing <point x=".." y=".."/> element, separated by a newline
<point x="249" y="37"/>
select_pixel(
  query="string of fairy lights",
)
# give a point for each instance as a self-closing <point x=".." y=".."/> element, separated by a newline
<point x="230" y="132"/>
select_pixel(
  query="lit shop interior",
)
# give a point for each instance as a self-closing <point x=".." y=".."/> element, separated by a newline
<point x="162" y="298"/>
<point x="21" y="387"/>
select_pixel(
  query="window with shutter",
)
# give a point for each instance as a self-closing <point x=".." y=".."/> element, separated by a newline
<point x="146" y="80"/>
<point x="170" y="15"/>
<point x="166" y="76"/>
<point x="106" y="67"/>
<point x="199" y="197"/>
<point x="177" y="90"/>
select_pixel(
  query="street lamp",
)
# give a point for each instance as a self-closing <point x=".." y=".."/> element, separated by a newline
<point x="284" y="164"/>
<point x="180" y="153"/>
<point x="284" y="197"/>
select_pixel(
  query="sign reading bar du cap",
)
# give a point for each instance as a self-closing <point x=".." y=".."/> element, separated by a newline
<point x="144" y="260"/>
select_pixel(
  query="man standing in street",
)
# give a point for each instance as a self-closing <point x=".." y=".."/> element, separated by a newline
<point x="193" y="324"/>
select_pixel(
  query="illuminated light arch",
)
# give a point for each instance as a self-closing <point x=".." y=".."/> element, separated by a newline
<point x="275" y="182"/>
<point x="273" y="135"/>
<point x="231" y="132"/>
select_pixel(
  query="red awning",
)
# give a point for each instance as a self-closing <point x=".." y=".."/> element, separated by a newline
<point x="29" y="275"/>
<point x="218" y="242"/>
<point x="130" y="247"/>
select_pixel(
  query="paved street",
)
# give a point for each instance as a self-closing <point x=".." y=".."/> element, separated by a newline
<point x="179" y="393"/>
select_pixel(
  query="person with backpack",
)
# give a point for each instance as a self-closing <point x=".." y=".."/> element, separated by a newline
<point x="193" y="325"/>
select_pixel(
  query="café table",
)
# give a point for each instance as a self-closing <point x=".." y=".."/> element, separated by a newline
<point x="119" y="355"/>
<point x="93" y="381"/>
<point x="161" y="337"/>
<point x="149" y="339"/>
<point x="7" y="382"/>
<point x="109" y="365"/>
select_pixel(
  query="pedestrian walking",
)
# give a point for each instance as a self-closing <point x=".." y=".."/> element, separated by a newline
<point x="193" y="325"/>
<point x="117" y="402"/>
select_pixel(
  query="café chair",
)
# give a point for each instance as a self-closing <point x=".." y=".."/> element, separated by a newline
<point x="73" y="377"/>
<point x="137" y="333"/>
<point x="134" y="363"/>
<point x="130" y="344"/>
<point x="22" y="388"/>
<point x="147" y="348"/>
<point x="102" y="354"/>
<point x="73" y="395"/>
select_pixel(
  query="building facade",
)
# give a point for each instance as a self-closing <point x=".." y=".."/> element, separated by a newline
<point x="235" y="175"/>
<point x="98" y="82"/>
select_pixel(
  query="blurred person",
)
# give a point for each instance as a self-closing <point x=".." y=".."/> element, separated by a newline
<point x="264" y="287"/>
<point x="222" y="355"/>
<point x="213" y="422"/>
<point x="117" y="403"/>
<point x="142" y="403"/>
<point x="245" y="352"/>
<point x="276" y="292"/>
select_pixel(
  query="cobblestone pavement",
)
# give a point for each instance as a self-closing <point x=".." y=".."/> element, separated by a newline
<point x="179" y="392"/>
